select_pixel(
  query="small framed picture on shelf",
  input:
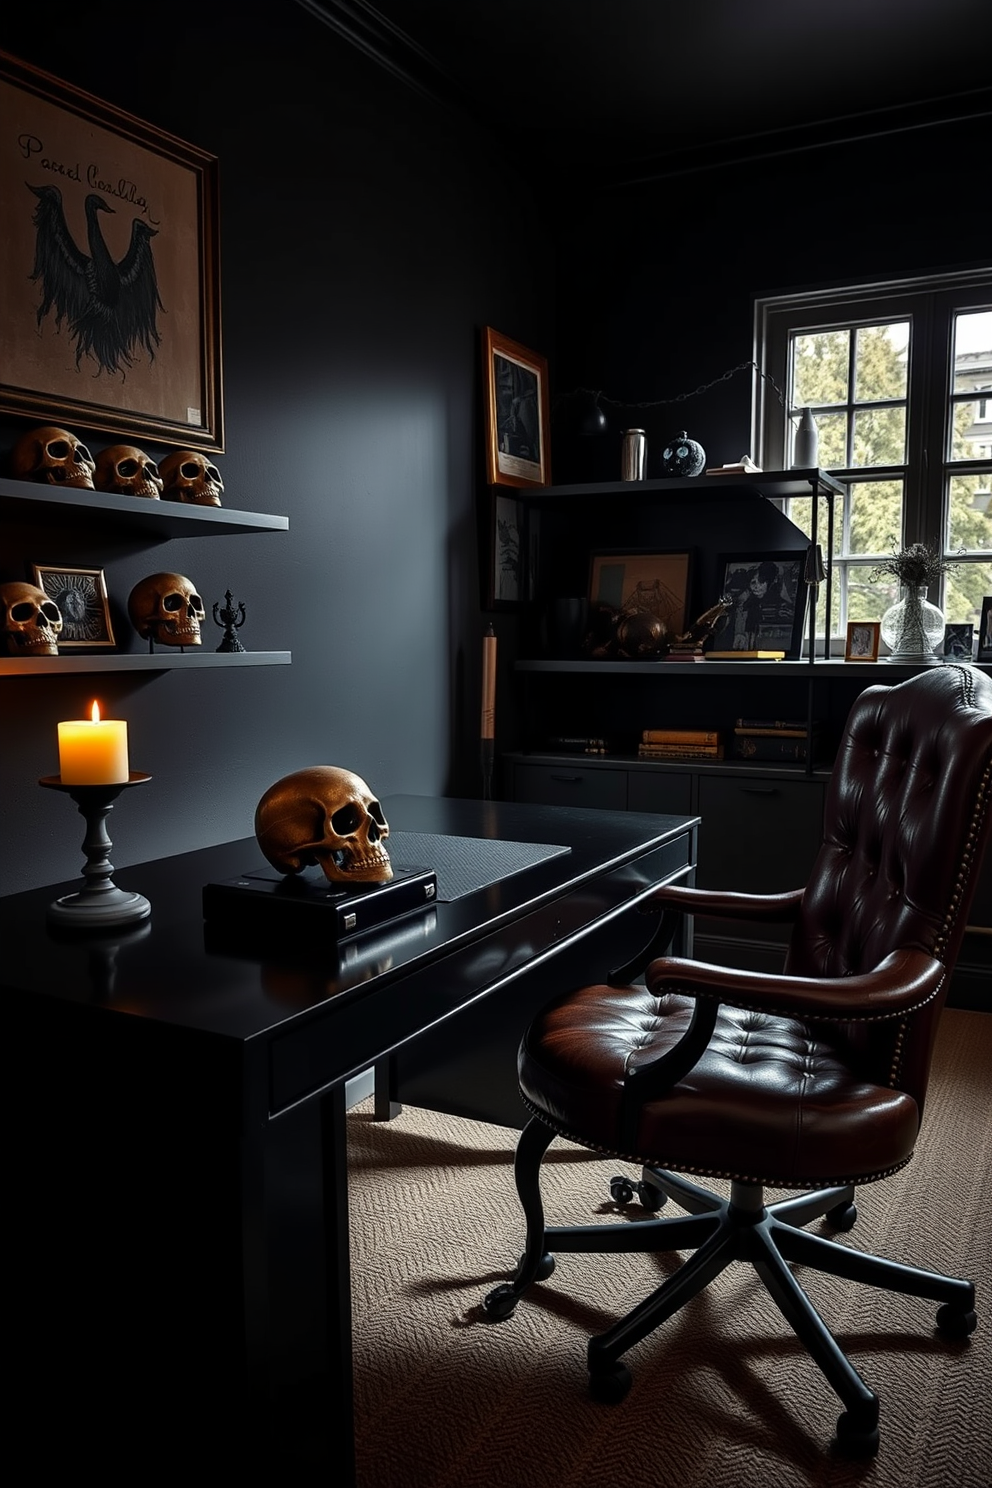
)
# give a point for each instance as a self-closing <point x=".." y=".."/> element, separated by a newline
<point x="655" y="581"/>
<point x="985" y="631"/>
<point x="768" y="602"/>
<point x="509" y="556"/>
<point x="517" y="413"/>
<point x="959" y="642"/>
<point x="862" y="640"/>
<point x="81" y="595"/>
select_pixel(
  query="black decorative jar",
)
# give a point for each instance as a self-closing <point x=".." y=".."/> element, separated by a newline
<point x="683" y="456"/>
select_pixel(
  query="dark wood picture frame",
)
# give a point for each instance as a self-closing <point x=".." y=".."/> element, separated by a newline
<point x="517" y="413"/>
<point x="509" y="558"/>
<point x="651" y="579"/>
<point x="81" y="595"/>
<point x="109" y="280"/>
<point x="985" y="631"/>
<point x="959" y="642"/>
<point x="770" y="597"/>
<point x="862" y="640"/>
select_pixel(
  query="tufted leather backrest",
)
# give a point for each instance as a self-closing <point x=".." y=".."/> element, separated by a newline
<point x="906" y="820"/>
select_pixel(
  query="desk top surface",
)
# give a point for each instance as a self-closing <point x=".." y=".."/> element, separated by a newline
<point x="169" y="969"/>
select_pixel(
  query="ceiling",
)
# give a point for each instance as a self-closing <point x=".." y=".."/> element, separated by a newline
<point x="651" y="86"/>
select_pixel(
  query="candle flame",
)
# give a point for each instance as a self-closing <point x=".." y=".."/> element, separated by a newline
<point x="95" y="713"/>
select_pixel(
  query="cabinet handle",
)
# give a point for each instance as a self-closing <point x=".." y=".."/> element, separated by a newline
<point x="567" y="779"/>
<point x="759" y="790"/>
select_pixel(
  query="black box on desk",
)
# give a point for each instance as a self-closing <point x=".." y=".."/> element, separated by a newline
<point x="263" y="905"/>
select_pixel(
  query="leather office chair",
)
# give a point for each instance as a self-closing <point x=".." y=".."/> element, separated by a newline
<point x="812" y="1080"/>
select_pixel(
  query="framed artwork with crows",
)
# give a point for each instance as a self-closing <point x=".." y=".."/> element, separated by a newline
<point x="109" y="280"/>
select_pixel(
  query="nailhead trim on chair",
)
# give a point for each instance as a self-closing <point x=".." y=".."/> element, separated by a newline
<point x="682" y="1167"/>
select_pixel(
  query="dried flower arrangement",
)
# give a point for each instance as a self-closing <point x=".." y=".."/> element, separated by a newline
<point x="915" y="565"/>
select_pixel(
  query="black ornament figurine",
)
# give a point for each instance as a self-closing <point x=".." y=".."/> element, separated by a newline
<point x="232" y="620"/>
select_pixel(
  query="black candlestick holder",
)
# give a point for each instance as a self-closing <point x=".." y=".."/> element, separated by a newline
<point x="99" y="902"/>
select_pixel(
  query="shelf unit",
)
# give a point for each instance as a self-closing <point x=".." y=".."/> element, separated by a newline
<point x="149" y="521"/>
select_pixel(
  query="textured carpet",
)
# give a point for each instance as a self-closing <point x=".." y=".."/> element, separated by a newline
<point x="723" y="1394"/>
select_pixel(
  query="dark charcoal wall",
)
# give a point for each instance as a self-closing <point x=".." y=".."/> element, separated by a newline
<point x="656" y="283"/>
<point x="360" y="255"/>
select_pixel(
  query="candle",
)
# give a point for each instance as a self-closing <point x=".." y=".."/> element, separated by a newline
<point x="488" y="729"/>
<point x="92" y="752"/>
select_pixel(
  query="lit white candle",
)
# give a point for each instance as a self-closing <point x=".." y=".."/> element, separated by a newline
<point x="92" y="752"/>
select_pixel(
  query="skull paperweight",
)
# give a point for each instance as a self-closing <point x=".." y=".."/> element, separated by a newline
<point x="189" y="476"/>
<point x="324" y="815"/>
<point x="125" y="470"/>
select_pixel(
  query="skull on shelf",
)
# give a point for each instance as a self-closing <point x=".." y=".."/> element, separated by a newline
<point x="32" y="621"/>
<point x="189" y="476"/>
<point x="324" y="815"/>
<point x="127" y="471"/>
<point x="53" y="457"/>
<point x="165" y="607"/>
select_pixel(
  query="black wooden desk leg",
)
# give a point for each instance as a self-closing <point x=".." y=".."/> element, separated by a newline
<point x="384" y="1107"/>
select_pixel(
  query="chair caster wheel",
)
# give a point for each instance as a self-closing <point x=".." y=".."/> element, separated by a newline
<point x="954" y="1323"/>
<point x="854" y="1440"/>
<point x="652" y="1199"/>
<point x="842" y="1216"/>
<point x="610" y="1384"/>
<point x="500" y="1303"/>
<point x="621" y="1191"/>
<point x="546" y="1266"/>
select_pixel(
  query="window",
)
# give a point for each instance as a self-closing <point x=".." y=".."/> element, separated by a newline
<point x="899" y="380"/>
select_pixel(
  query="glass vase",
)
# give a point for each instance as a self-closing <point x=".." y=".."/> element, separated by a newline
<point x="913" y="628"/>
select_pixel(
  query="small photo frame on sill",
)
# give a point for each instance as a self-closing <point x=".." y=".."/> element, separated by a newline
<point x="81" y="595"/>
<point x="959" y="642"/>
<point x="862" y="640"/>
<point x="985" y="631"/>
<point x="518" y="413"/>
<point x="768" y="602"/>
<point x="651" y="580"/>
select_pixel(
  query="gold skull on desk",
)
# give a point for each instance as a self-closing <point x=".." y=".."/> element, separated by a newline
<point x="324" y="815"/>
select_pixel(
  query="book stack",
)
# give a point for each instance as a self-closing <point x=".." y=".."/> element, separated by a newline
<point x="775" y="739"/>
<point x="680" y="744"/>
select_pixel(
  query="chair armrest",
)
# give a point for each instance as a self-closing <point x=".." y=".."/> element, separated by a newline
<point x="726" y="906"/>
<point x="904" y="981"/>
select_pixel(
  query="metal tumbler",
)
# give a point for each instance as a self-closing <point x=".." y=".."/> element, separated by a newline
<point x="634" y="455"/>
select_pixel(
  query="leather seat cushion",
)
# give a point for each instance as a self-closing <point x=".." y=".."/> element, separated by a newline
<point x="772" y="1100"/>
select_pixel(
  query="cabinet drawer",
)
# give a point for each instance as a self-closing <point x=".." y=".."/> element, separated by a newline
<point x="661" y="790"/>
<point x="758" y="834"/>
<point x="570" y="785"/>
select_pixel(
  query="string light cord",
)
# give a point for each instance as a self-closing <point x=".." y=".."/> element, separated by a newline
<point x="704" y="387"/>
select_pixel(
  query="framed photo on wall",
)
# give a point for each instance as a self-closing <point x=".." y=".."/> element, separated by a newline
<point x="109" y="279"/>
<point x="654" y="581"/>
<point x="81" y="595"/>
<point x="768" y="597"/>
<point x="517" y="413"/>
<point x="985" y="631"/>
<point x="862" y="640"/>
<point x="509" y="557"/>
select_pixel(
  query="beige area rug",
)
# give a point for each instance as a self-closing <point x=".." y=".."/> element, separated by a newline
<point x="723" y="1394"/>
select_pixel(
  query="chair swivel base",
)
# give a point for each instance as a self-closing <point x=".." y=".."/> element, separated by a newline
<point x="720" y="1231"/>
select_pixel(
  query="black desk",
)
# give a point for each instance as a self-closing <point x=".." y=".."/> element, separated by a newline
<point x="178" y="1193"/>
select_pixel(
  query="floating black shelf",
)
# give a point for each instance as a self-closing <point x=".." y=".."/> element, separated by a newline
<point x="158" y="520"/>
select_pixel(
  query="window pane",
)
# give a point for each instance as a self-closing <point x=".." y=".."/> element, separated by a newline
<point x="964" y="588"/>
<point x="969" y="525"/>
<point x="971" y="434"/>
<point x="881" y="362"/>
<point x="865" y="600"/>
<point x="972" y="350"/>
<point x="876" y="520"/>
<point x="820" y="368"/>
<point x="880" y="436"/>
<point x="833" y="440"/>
